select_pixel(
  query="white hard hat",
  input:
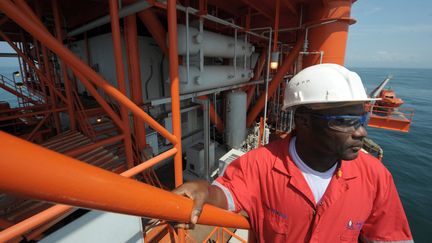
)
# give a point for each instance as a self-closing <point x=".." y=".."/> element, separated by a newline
<point x="324" y="85"/>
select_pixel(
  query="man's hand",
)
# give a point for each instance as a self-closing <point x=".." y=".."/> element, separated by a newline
<point x="201" y="192"/>
<point x="198" y="191"/>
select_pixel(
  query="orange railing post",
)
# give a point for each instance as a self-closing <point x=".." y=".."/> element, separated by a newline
<point x="115" y="29"/>
<point x="175" y="96"/>
<point x="66" y="80"/>
<point x="131" y="37"/>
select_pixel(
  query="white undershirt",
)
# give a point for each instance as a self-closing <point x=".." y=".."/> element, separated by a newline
<point x="317" y="181"/>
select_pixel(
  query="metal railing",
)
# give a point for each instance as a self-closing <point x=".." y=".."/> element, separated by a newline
<point x="20" y="91"/>
<point x="91" y="187"/>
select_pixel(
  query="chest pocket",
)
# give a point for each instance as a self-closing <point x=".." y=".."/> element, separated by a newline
<point x="275" y="227"/>
<point x="350" y="236"/>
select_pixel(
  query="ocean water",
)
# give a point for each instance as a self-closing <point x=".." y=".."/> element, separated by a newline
<point x="407" y="155"/>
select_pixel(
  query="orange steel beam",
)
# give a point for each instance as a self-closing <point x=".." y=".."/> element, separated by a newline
<point x="19" y="109"/>
<point x="258" y="6"/>
<point x="40" y="74"/>
<point x="31" y="114"/>
<point x="39" y="125"/>
<point x="277" y="79"/>
<point x="26" y="66"/>
<point x="65" y="180"/>
<point x="46" y="65"/>
<point x="33" y="222"/>
<point x="214" y="117"/>
<point x="37" y="234"/>
<point x="120" y="73"/>
<point x="135" y="75"/>
<point x="155" y="27"/>
<point x="105" y="106"/>
<point x="276" y="25"/>
<point x="290" y="6"/>
<point x="149" y="163"/>
<point x="175" y="97"/>
<point x="66" y="80"/>
<point x="175" y="88"/>
<point x="74" y="62"/>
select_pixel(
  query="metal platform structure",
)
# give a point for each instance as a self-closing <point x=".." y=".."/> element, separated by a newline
<point x="98" y="79"/>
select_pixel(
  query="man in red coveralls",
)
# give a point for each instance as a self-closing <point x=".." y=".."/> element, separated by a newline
<point x="316" y="185"/>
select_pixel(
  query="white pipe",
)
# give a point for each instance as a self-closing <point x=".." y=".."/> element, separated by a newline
<point x="235" y="52"/>
<point x="206" y="115"/>
<point x="201" y="49"/>
<point x="266" y="81"/>
<point x="187" y="43"/>
<point x="162" y="101"/>
<point x="218" y="20"/>
<point x="306" y="41"/>
<point x="126" y="11"/>
<point x="244" y="56"/>
<point x="321" y="53"/>
<point x="212" y="44"/>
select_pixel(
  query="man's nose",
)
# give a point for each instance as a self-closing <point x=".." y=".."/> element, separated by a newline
<point x="360" y="132"/>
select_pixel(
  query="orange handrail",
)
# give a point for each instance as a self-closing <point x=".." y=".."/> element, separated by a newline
<point x="62" y="179"/>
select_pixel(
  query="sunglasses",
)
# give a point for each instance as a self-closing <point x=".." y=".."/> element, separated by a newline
<point x="344" y="123"/>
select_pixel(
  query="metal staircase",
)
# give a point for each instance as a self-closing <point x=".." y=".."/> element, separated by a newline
<point x="20" y="91"/>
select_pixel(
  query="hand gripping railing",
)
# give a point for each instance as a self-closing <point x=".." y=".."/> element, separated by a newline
<point x="61" y="179"/>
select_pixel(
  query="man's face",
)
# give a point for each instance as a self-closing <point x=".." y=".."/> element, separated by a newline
<point x="337" y="131"/>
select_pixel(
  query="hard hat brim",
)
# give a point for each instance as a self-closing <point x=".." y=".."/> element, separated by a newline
<point x="329" y="104"/>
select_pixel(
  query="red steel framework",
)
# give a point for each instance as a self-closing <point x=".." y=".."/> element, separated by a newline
<point x="68" y="181"/>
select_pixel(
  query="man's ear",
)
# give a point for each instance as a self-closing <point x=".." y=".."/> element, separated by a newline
<point x="302" y="118"/>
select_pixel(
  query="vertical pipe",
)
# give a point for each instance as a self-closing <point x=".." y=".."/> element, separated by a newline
<point x="276" y="26"/>
<point x="235" y="53"/>
<point x="214" y="117"/>
<point x="52" y="97"/>
<point x="47" y="67"/>
<point x="120" y="75"/>
<point x="175" y="97"/>
<point x="206" y="115"/>
<point x="66" y="80"/>
<point x="257" y="73"/>
<point x="87" y="49"/>
<point x="326" y="36"/>
<point x="135" y="76"/>
<point x="267" y="77"/>
<point x="187" y="45"/>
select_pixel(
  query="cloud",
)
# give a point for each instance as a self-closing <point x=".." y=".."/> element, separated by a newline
<point x="385" y="56"/>
<point x="372" y="11"/>
<point x="396" y="29"/>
